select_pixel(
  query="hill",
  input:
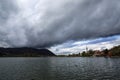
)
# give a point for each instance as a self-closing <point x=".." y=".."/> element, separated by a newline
<point x="25" y="52"/>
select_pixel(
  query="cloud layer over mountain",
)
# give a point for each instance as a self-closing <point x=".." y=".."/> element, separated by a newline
<point x="44" y="23"/>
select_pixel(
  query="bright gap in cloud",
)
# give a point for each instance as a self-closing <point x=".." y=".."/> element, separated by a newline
<point x="79" y="46"/>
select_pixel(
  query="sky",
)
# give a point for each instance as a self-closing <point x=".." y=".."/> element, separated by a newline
<point x="64" y="26"/>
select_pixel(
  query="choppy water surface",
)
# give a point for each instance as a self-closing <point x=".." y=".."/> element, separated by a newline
<point x="58" y="68"/>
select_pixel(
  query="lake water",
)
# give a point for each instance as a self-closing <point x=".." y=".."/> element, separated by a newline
<point x="60" y="68"/>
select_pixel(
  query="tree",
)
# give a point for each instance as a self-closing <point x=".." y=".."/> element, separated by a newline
<point x="91" y="52"/>
<point x="105" y="51"/>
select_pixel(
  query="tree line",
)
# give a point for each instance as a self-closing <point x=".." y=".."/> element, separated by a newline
<point x="115" y="51"/>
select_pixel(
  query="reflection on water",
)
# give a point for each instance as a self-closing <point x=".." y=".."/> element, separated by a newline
<point x="56" y="68"/>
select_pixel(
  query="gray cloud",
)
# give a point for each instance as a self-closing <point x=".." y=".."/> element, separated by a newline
<point x="6" y="8"/>
<point x="45" y="23"/>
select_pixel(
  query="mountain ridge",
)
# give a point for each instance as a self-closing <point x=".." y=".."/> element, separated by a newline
<point x="25" y="52"/>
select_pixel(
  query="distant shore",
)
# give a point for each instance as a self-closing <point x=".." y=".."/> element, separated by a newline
<point x="32" y="52"/>
<point x="113" y="52"/>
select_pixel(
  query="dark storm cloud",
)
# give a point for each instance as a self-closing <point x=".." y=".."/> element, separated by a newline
<point x="44" y="23"/>
<point x="6" y="8"/>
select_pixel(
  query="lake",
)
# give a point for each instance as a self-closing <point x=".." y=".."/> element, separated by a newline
<point x="60" y="68"/>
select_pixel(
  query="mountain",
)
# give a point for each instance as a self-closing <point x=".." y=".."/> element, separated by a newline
<point x="25" y="52"/>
